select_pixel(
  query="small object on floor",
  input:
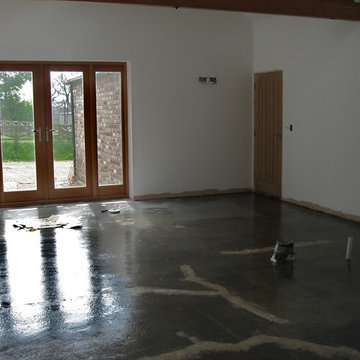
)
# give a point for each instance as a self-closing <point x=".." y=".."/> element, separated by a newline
<point x="5" y="304"/>
<point x="283" y="252"/>
<point x="76" y="225"/>
<point x="51" y="222"/>
<point x="349" y="248"/>
<point x="30" y="228"/>
<point x="114" y="211"/>
<point x="111" y="211"/>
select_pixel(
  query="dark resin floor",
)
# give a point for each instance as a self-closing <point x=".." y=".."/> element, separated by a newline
<point x="163" y="281"/>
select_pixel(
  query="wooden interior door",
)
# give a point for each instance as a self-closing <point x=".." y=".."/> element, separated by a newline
<point x="268" y="133"/>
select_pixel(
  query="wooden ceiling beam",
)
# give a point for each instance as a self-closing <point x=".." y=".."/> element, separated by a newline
<point x="331" y="9"/>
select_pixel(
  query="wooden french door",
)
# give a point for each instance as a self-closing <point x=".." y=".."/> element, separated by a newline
<point x="268" y="133"/>
<point x="63" y="131"/>
<point x="66" y="133"/>
<point x="21" y="121"/>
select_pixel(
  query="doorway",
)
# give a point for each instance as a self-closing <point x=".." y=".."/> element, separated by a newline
<point x="268" y="133"/>
<point x="63" y="132"/>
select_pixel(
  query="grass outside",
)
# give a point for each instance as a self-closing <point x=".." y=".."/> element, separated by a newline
<point x="25" y="150"/>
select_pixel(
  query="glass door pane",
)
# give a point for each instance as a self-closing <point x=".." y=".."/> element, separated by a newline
<point x="67" y="129"/>
<point x="18" y="131"/>
<point x="109" y="129"/>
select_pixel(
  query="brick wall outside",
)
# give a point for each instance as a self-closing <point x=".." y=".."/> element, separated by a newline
<point x="108" y="112"/>
<point x="109" y="137"/>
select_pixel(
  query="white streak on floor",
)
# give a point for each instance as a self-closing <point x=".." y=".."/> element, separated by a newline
<point x="271" y="248"/>
<point x="183" y="334"/>
<point x="199" y="347"/>
<point x="234" y="300"/>
<point x="163" y="291"/>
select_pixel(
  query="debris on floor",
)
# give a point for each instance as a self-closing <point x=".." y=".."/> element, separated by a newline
<point x="111" y="211"/>
<point x="283" y="252"/>
<point x="118" y="208"/>
<point x="51" y="222"/>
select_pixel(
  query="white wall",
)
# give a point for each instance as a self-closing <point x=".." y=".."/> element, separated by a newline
<point x="188" y="137"/>
<point x="185" y="137"/>
<point x="320" y="60"/>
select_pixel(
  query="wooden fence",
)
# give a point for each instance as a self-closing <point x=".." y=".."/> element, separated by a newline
<point x="24" y="130"/>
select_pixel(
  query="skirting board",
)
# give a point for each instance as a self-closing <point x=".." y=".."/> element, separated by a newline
<point x="190" y="194"/>
<point x="303" y="204"/>
<point x="322" y="209"/>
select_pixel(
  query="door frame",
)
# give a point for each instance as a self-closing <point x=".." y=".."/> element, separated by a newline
<point x="271" y="190"/>
<point x="113" y="190"/>
<point x="63" y="193"/>
<point x="46" y="193"/>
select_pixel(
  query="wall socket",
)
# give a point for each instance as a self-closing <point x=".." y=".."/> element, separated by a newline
<point x="207" y="80"/>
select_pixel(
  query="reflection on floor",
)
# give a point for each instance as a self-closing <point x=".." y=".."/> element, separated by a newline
<point x="132" y="285"/>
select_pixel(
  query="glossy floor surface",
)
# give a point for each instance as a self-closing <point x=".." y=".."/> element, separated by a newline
<point x="179" y="279"/>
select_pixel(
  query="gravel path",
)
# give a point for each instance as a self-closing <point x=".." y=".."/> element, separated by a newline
<point x="21" y="175"/>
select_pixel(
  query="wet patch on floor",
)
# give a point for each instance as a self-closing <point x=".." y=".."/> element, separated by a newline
<point x="126" y="284"/>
